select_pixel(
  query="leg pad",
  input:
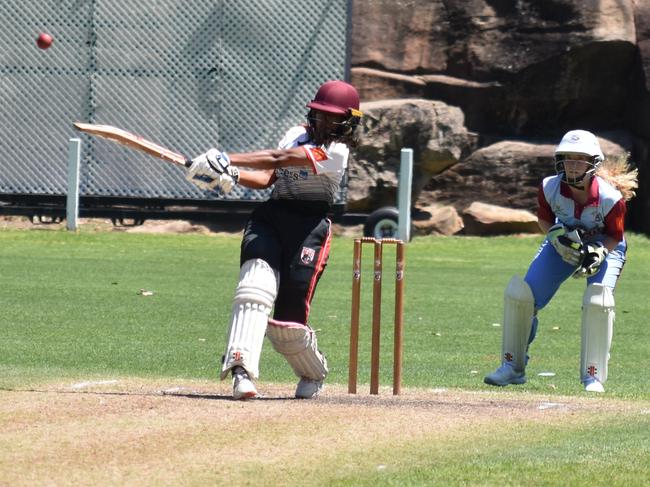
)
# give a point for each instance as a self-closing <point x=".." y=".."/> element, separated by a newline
<point x="597" y="330"/>
<point x="297" y="342"/>
<point x="518" y="309"/>
<point x="251" y="308"/>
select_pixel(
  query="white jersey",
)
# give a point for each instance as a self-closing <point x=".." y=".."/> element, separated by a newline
<point x="591" y="217"/>
<point x="317" y="183"/>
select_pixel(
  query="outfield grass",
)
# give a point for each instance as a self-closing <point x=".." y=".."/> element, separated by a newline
<point x="72" y="310"/>
<point x="71" y="307"/>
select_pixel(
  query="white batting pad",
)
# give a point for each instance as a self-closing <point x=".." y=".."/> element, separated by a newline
<point x="518" y="309"/>
<point x="297" y="342"/>
<point x="597" y="329"/>
<point x="254" y="298"/>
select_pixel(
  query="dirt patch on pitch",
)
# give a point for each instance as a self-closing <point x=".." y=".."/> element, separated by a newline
<point x="151" y="433"/>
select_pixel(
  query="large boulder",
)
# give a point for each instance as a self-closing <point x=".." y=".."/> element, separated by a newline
<point x="486" y="219"/>
<point x="436" y="220"/>
<point x="506" y="173"/>
<point x="435" y="132"/>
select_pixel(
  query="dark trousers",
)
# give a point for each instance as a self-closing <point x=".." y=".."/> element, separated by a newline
<point x="294" y="238"/>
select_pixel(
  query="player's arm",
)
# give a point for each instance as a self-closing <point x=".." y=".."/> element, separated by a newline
<point x="544" y="225"/>
<point x="545" y="215"/>
<point x="567" y="243"/>
<point x="216" y="169"/>
<point x="272" y="158"/>
<point x="208" y="170"/>
<point x="257" y="179"/>
<point x="322" y="160"/>
<point x="614" y="225"/>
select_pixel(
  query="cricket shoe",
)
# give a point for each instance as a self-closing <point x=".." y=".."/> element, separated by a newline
<point x="592" y="384"/>
<point x="504" y="375"/>
<point x="242" y="385"/>
<point x="308" y="388"/>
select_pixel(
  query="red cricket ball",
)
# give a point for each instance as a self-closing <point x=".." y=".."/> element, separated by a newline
<point x="44" y="40"/>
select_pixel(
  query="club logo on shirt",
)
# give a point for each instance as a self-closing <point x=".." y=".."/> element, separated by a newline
<point x="307" y="255"/>
<point x="318" y="154"/>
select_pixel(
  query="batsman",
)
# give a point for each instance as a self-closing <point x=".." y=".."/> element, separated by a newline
<point x="582" y="211"/>
<point x="286" y="240"/>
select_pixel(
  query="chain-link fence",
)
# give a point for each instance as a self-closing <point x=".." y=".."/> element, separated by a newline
<point x="187" y="74"/>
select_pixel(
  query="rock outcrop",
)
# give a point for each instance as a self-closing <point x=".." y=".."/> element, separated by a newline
<point x="519" y="74"/>
<point x="434" y="130"/>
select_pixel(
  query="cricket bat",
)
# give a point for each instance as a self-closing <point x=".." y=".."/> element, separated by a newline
<point x="133" y="141"/>
<point x="225" y="181"/>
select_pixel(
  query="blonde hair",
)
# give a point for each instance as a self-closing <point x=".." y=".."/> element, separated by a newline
<point x="617" y="171"/>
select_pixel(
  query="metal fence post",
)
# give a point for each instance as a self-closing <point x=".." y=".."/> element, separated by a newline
<point x="404" y="195"/>
<point x="72" y="204"/>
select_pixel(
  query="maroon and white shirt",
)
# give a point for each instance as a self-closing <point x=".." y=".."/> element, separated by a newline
<point x="602" y="214"/>
<point x="322" y="180"/>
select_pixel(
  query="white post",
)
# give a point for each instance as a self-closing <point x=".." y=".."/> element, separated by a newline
<point x="72" y="207"/>
<point x="404" y="195"/>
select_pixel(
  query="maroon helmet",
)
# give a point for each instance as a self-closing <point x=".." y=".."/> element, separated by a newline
<point x="336" y="97"/>
<point x="341" y="100"/>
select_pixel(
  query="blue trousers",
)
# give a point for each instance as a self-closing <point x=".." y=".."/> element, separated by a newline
<point x="548" y="271"/>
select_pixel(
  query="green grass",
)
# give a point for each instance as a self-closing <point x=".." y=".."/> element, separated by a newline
<point x="71" y="308"/>
<point x="534" y="454"/>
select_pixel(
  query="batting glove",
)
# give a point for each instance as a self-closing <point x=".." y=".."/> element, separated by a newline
<point x="227" y="181"/>
<point x="595" y="255"/>
<point x="210" y="170"/>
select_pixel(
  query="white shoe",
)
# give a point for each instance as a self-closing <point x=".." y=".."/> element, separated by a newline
<point x="308" y="388"/>
<point x="504" y="375"/>
<point x="242" y="385"/>
<point x="592" y="384"/>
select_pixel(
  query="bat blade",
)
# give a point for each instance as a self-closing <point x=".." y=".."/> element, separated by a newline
<point x="133" y="141"/>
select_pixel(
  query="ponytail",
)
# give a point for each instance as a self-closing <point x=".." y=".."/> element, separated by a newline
<point x="617" y="171"/>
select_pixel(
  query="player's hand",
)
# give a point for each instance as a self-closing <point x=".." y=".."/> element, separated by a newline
<point x="209" y="170"/>
<point x="595" y="255"/>
<point x="567" y="243"/>
<point x="213" y="159"/>
<point x="228" y="180"/>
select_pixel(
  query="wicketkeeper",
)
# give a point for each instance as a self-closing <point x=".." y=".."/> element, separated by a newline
<point x="286" y="241"/>
<point x="582" y="211"/>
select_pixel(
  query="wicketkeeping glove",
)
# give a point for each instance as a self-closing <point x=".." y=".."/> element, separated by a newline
<point x="567" y="243"/>
<point x="595" y="255"/>
<point x="212" y="170"/>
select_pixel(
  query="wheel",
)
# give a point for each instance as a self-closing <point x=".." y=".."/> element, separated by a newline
<point x="382" y="223"/>
<point x="46" y="219"/>
<point x="124" y="222"/>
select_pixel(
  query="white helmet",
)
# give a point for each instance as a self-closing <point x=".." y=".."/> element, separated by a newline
<point x="578" y="142"/>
